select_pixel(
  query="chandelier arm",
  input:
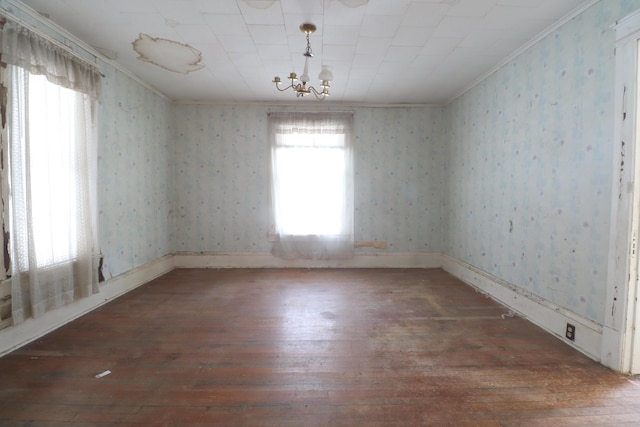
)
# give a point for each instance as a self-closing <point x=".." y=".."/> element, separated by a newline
<point x="317" y="94"/>
<point x="284" y="89"/>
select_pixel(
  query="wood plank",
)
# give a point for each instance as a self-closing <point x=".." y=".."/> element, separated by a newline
<point x="298" y="347"/>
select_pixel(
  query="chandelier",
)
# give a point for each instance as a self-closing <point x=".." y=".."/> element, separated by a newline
<point x="301" y="88"/>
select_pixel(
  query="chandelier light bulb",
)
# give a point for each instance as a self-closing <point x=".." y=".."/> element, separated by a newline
<point x="325" y="74"/>
<point x="304" y="78"/>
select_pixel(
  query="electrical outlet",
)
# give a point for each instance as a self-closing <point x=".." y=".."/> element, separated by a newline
<point x="571" y="332"/>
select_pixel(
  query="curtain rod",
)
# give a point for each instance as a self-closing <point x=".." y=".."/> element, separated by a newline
<point x="65" y="47"/>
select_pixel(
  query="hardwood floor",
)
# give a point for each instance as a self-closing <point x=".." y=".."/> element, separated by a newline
<point x="377" y="347"/>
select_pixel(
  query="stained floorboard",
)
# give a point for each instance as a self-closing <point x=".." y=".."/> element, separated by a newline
<point x="297" y="347"/>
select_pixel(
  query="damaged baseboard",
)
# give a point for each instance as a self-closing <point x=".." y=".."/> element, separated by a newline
<point x="16" y="336"/>
<point x="266" y="260"/>
<point x="545" y="314"/>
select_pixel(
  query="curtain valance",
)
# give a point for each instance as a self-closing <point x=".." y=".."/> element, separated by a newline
<point x="24" y="48"/>
<point x="310" y="123"/>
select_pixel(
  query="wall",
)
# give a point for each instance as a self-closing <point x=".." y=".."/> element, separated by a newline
<point x="528" y="173"/>
<point x="221" y="157"/>
<point x="135" y="192"/>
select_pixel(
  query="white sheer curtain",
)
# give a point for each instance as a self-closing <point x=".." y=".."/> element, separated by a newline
<point x="52" y="173"/>
<point x="311" y="185"/>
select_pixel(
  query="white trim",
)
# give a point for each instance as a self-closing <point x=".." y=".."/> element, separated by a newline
<point x="620" y="303"/>
<point x="266" y="260"/>
<point x="16" y="336"/>
<point x="627" y="27"/>
<point x="298" y="104"/>
<point x="539" y="311"/>
<point x="528" y="45"/>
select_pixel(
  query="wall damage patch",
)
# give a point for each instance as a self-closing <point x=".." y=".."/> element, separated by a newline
<point x="168" y="54"/>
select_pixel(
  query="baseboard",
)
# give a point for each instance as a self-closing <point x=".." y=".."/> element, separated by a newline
<point x="16" y="336"/>
<point x="545" y="314"/>
<point x="266" y="260"/>
<point x="541" y="312"/>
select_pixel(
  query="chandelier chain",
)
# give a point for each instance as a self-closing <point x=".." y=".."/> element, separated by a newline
<point x="308" y="52"/>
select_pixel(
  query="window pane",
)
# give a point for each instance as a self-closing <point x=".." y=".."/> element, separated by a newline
<point x="310" y="200"/>
<point x="51" y="171"/>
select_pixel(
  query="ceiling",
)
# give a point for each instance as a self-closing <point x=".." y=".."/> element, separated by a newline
<point x="380" y="51"/>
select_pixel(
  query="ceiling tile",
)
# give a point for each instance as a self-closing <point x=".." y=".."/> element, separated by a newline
<point x="302" y="7"/>
<point x="412" y="36"/>
<point x="401" y="54"/>
<point x="175" y="11"/>
<point x="268" y="34"/>
<point x="237" y="44"/>
<point x="195" y="34"/>
<point x="424" y="14"/>
<point x="338" y="14"/>
<point x="341" y="35"/>
<point x="387" y="8"/>
<point x="275" y="52"/>
<point x="373" y="45"/>
<point x="456" y="26"/>
<point x="272" y="15"/>
<point x="481" y="39"/>
<point x="228" y="25"/>
<point x="223" y="7"/>
<point x="440" y="45"/>
<point x="380" y="26"/>
<point x="477" y="8"/>
<point x="338" y="53"/>
<point x="449" y="44"/>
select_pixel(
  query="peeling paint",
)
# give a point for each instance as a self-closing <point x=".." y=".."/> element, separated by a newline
<point x="354" y="3"/>
<point x="168" y="54"/>
<point x="100" y="268"/>
<point x="620" y="182"/>
<point x="3" y="105"/>
<point x="171" y="23"/>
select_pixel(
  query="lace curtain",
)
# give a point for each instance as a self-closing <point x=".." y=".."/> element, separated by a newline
<point x="311" y="185"/>
<point x="52" y="173"/>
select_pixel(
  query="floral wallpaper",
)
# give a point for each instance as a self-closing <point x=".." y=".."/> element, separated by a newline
<point x="221" y="171"/>
<point x="135" y="189"/>
<point x="529" y="165"/>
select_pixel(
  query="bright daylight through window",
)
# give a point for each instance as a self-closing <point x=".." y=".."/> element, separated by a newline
<point x="311" y="172"/>
<point x="311" y="185"/>
<point x="51" y="171"/>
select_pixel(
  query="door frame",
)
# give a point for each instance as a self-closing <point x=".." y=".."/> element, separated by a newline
<point x="620" y="337"/>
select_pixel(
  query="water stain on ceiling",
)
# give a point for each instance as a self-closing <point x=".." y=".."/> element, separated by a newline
<point x="168" y="54"/>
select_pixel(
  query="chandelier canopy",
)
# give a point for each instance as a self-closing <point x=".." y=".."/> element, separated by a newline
<point x="300" y="87"/>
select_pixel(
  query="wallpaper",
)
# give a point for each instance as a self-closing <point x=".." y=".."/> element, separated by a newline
<point x="513" y="177"/>
<point x="134" y="174"/>
<point x="221" y="160"/>
<point x="529" y="163"/>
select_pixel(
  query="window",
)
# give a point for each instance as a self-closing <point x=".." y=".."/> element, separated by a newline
<point x="52" y="163"/>
<point x="312" y="185"/>
<point x="311" y="173"/>
<point x="52" y="178"/>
